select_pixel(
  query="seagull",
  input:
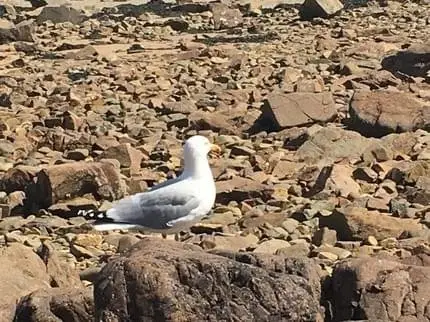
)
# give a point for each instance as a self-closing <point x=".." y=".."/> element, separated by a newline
<point x="171" y="206"/>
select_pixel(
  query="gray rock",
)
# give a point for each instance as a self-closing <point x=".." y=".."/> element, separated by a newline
<point x="324" y="236"/>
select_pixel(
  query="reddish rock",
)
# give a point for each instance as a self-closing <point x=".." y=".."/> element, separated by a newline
<point x="21" y="272"/>
<point x="380" y="290"/>
<point x="56" y="304"/>
<point x="66" y="181"/>
<point x="355" y="223"/>
<point x="127" y="156"/>
<point x="381" y="112"/>
<point x="298" y="109"/>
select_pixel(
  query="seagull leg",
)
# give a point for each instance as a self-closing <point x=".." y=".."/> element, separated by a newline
<point x="164" y="235"/>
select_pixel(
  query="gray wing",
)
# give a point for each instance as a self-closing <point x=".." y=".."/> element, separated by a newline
<point x="153" y="210"/>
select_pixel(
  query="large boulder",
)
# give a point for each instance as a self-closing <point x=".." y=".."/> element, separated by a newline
<point x="356" y="223"/>
<point x="414" y="61"/>
<point x="299" y="109"/>
<point x="159" y="280"/>
<point x="56" y="304"/>
<point x="331" y="143"/>
<point x="375" y="289"/>
<point x="21" y="272"/>
<point x="69" y="180"/>
<point x="377" y="113"/>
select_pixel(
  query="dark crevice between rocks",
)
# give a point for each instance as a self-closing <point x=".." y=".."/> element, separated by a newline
<point x="337" y="222"/>
<point x="340" y="298"/>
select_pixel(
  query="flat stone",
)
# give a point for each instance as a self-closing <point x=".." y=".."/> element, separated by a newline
<point x="355" y="223"/>
<point x="60" y="14"/>
<point x="298" y="109"/>
<point x="271" y="246"/>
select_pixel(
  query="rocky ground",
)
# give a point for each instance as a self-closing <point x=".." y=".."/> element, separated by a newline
<point x="323" y="190"/>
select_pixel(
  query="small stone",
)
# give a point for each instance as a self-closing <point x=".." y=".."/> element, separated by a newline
<point x="365" y="174"/>
<point x="389" y="243"/>
<point x="298" y="250"/>
<point x="349" y="245"/>
<point x="271" y="246"/>
<point x="126" y="242"/>
<point x="225" y="17"/>
<point x="60" y="14"/>
<point x="290" y="225"/>
<point x="86" y="240"/>
<point x="77" y="155"/>
<point x="325" y="236"/>
<point x="15" y="237"/>
<point x="128" y="156"/>
<point x="372" y="241"/>
<point x="341" y="253"/>
<point x="378" y="204"/>
<point x="82" y="252"/>
<point x="329" y="256"/>
<point x="34" y="243"/>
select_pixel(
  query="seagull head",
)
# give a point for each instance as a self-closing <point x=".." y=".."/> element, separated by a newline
<point x="198" y="146"/>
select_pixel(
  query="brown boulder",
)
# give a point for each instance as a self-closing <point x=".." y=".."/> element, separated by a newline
<point x="298" y="109"/>
<point x="239" y="189"/>
<point x="303" y="267"/>
<point x="20" y="32"/>
<point x="57" y="304"/>
<point x="225" y="17"/>
<point x="355" y="223"/>
<point x="60" y="14"/>
<point x="61" y="274"/>
<point x="66" y="181"/>
<point x="381" y="112"/>
<point x="334" y="144"/>
<point x="127" y="156"/>
<point x="320" y="8"/>
<point x="373" y="289"/>
<point x="414" y="61"/>
<point x="21" y="272"/>
<point x="165" y="280"/>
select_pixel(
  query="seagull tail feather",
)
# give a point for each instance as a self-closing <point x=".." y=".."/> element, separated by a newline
<point x="92" y="214"/>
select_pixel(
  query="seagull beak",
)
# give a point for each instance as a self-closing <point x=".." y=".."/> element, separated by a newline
<point x="215" y="151"/>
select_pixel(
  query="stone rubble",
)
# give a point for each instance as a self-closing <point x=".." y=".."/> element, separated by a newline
<point x="322" y="110"/>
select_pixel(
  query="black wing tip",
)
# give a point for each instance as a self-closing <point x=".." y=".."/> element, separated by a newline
<point x="92" y="214"/>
